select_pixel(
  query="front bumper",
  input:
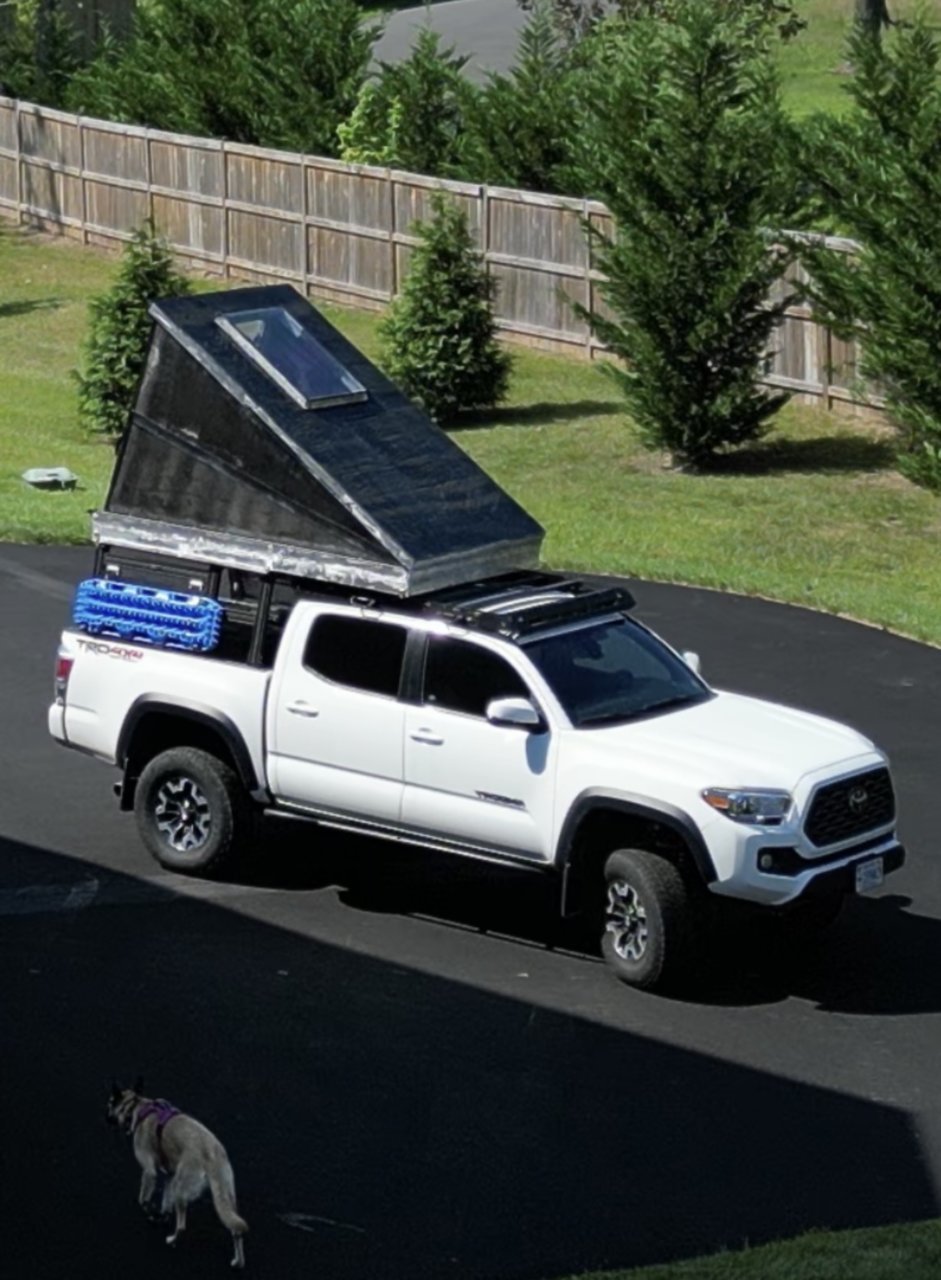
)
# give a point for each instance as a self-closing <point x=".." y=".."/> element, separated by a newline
<point x="841" y="879"/>
<point x="794" y="873"/>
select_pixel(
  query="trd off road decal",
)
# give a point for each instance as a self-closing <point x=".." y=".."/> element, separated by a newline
<point x="105" y="650"/>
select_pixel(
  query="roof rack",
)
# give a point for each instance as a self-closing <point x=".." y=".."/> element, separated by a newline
<point x="523" y="610"/>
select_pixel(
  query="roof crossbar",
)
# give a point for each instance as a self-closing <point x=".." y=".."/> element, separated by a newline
<point x="518" y="622"/>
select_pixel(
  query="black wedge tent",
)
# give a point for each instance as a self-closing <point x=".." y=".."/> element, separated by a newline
<point x="263" y="440"/>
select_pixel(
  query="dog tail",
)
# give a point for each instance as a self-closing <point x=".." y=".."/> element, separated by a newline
<point x="222" y="1188"/>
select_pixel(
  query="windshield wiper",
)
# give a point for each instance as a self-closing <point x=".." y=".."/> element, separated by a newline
<point x="681" y="700"/>
<point x="607" y="717"/>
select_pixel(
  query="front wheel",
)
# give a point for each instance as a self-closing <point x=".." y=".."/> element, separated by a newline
<point x="648" y="918"/>
<point x="192" y="812"/>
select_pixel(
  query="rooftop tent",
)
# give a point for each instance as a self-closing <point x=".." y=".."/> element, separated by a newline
<point x="263" y="440"/>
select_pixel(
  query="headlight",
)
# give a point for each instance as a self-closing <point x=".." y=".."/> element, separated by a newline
<point x="749" y="804"/>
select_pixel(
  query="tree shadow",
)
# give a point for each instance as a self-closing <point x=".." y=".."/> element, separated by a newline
<point x="26" y="307"/>
<point x="828" y="454"/>
<point x="543" y="414"/>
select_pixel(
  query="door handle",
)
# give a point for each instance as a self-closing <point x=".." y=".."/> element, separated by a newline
<point x="426" y="736"/>
<point x="302" y="709"/>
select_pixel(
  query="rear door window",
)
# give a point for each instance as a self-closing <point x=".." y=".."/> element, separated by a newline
<point x="357" y="652"/>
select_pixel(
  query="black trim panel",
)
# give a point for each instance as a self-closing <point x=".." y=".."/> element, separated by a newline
<point x="636" y="807"/>
<point x="789" y="862"/>
<point x="220" y="723"/>
<point x="843" y="879"/>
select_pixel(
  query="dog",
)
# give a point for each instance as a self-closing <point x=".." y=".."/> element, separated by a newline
<point x="167" y="1142"/>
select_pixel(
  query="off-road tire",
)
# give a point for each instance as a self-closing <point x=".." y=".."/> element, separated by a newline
<point x="649" y="928"/>
<point x="192" y="812"/>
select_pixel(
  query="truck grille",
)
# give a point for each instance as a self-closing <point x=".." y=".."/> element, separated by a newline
<point x="841" y="810"/>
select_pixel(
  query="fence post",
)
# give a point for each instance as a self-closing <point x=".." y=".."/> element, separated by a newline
<point x="19" y="163"/>
<point x="393" y="248"/>
<point x="586" y="223"/>
<point x="81" y="152"/>
<point x="304" y="215"/>
<point x="149" y="178"/>
<point x="225" y="211"/>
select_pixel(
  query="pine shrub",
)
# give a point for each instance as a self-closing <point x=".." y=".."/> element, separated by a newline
<point x="439" y="336"/>
<point x="119" y="329"/>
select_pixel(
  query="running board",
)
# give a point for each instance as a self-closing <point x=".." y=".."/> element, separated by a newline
<point x="419" y="841"/>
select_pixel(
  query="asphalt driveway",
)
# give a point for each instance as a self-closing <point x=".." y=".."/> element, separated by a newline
<point x="486" y="30"/>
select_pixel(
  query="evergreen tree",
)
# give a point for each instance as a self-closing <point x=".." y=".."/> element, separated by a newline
<point x="39" y="52"/>
<point x="119" y="329"/>
<point x="520" y="127"/>
<point x="684" y="139"/>
<point x="280" y="73"/>
<point x="412" y="115"/>
<point x="879" y="170"/>
<point x="439" y="336"/>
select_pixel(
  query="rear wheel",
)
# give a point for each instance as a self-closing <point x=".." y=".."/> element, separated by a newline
<point x="192" y="812"/>
<point x="648" y="925"/>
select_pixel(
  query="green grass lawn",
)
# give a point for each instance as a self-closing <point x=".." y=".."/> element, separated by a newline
<point x="814" y="515"/>
<point x="813" y="66"/>
<point x="908" y="1252"/>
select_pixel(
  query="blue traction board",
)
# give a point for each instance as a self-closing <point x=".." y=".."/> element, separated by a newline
<point x="151" y="614"/>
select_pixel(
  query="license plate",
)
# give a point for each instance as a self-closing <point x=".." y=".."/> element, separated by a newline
<point x="869" y="875"/>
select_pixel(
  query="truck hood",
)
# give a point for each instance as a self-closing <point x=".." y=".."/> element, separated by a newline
<point x="732" y="740"/>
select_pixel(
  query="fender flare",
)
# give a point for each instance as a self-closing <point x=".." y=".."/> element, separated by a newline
<point x="210" y="717"/>
<point x="631" y="806"/>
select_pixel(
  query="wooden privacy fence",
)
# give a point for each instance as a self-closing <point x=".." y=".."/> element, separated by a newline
<point x="340" y="232"/>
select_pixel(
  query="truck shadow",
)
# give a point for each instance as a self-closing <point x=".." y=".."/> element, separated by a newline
<point x="879" y="957"/>
<point x="384" y="1119"/>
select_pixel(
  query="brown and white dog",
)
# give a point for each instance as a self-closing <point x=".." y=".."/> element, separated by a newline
<point x="167" y="1142"/>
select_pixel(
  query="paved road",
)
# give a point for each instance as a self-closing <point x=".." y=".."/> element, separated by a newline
<point x="412" y="1079"/>
<point x="486" y="30"/>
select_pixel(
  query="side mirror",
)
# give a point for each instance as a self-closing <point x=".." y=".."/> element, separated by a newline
<point x="515" y="713"/>
<point x="692" y="660"/>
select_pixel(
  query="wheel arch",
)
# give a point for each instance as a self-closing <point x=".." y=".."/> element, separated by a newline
<point x="154" y="724"/>
<point x="601" y="821"/>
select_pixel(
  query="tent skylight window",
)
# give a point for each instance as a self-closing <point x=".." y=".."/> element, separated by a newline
<point x="292" y="357"/>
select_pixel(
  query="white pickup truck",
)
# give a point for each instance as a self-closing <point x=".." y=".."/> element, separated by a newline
<point x="529" y="720"/>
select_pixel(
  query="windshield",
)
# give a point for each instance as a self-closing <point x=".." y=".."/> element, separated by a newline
<point x="613" y="670"/>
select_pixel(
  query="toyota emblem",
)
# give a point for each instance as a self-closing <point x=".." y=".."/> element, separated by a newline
<point x="858" y="799"/>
